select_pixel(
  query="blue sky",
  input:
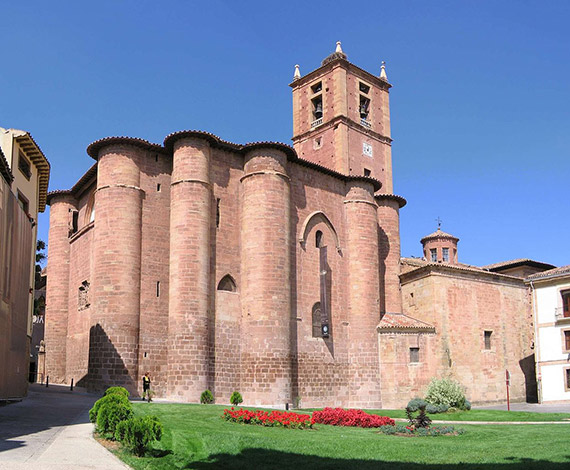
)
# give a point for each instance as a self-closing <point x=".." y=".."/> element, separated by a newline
<point x="480" y="105"/>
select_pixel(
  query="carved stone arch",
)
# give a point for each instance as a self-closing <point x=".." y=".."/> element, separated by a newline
<point x="227" y="283"/>
<point x="320" y="216"/>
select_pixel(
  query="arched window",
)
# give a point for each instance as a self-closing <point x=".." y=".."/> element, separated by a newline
<point x="227" y="284"/>
<point x="316" y="315"/>
<point x="319" y="239"/>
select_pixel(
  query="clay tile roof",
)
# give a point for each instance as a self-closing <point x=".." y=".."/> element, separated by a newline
<point x="438" y="234"/>
<point x="76" y="190"/>
<point x="401" y="322"/>
<point x="517" y="262"/>
<point x="5" y="168"/>
<point x="550" y="273"/>
<point x="94" y="147"/>
<point x="399" y="199"/>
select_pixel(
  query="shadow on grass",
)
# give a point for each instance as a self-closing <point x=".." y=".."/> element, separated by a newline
<point x="157" y="453"/>
<point x="266" y="459"/>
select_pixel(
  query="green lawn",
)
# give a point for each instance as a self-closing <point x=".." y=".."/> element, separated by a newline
<point x="483" y="415"/>
<point x="197" y="438"/>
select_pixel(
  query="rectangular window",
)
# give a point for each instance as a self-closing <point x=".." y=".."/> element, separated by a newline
<point x="566" y="303"/>
<point x="24" y="203"/>
<point x="488" y="339"/>
<point x="414" y="355"/>
<point x="445" y="254"/>
<point x="363" y="87"/>
<point x="366" y="172"/>
<point x="567" y="379"/>
<point x="433" y="253"/>
<point x="24" y="166"/>
<point x="566" y="340"/>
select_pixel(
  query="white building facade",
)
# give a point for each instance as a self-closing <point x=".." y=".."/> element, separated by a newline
<point x="551" y="304"/>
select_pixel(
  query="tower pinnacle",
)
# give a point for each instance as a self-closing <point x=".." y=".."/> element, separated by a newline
<point x="383" y="75"/>
<point x="297" y="74"/>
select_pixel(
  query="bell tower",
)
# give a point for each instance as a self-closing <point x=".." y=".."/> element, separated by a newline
<point x="341" y="118"/>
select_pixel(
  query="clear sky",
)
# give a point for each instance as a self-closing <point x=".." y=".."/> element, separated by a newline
<point x="480" y="105"/>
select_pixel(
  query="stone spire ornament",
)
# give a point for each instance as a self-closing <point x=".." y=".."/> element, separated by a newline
<point x="297" y="74"/>
<point x="383" y="75"/>
<point x="337" y="54"/>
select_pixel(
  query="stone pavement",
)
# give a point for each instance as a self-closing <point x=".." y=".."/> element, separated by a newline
<point x="50" y="429"/>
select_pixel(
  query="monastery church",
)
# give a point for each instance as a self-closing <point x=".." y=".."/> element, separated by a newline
<point x="274" y="270"/>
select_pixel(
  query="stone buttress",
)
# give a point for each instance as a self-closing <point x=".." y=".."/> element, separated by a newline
<point x="57" y="301"/>
<point x="266" y="284"/>
<point x="363" y="294"/>
<point x="114" y="335"/>
<point x="189" y="296"/>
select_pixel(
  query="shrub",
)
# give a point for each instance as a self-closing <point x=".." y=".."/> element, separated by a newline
<point x="434" y="409"/>
<point x="264" y="418"/>
<point x="414" y="404"/>
<point x="136" y="434"/>
<point x="111" y="398"/>
<point x="206" y="398"/>
<point x="110" y="415"/>
<point x="341" y="417"/>
<point x="446" y="392"/>
<point x="119" y="390"/>
<point x="236" y="398"/>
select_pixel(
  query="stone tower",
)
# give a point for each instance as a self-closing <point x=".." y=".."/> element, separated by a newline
<point x="341" y="119"/>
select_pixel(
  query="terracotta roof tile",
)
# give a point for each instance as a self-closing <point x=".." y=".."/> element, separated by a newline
<point x="550" y="273"/>
<point x="5" y="168"/>
<point x="399" y="321"/>
<point x="517" y="262"/>
<point x="438" y="234"/>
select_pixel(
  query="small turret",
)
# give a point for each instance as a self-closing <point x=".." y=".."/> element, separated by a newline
<point x="440" y="247"/>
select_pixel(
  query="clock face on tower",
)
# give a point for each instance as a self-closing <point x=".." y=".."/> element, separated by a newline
<point x="366" y="149"/>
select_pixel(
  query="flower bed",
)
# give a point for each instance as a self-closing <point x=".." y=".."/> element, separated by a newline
<point x="410" y="431"/>
<point x="263" y="418"/>
<point x="341" y="417"/>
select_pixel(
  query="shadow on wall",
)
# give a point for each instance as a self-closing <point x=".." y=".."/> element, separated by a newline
<point x="105" y="367"/>
<point x="528" y="369"/>
<point x="383" y="250"/>
<point x="281" y="460"/>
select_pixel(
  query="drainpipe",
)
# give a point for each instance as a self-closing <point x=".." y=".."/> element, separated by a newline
<point x="536" y="343"/>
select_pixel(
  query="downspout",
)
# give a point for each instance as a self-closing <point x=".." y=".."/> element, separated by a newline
<point x="536" y="344"/>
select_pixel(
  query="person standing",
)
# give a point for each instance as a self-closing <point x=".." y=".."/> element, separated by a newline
<point x="146" y="386"/>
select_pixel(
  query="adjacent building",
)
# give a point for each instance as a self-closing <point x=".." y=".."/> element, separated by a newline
<point x="551" y="295"/>
<point x="23" y="193"/>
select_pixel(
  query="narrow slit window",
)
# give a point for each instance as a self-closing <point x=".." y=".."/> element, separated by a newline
<point x="319" y="239"/>
<point x="218" y="213"/>
<point x="158" y="187"/>
<point x="158" y="288"/>
<point x="487" y="336"/>
<point x="316" y="320"/>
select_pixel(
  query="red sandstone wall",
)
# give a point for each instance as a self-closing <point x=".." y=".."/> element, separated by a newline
<point x="462" y="308"/>
<point x="225" y="318"/>
<point x="156" y="169"/>
<point x="321" y="365"/>
<point x="57" y="290"/>
<point x="79" y="321"/>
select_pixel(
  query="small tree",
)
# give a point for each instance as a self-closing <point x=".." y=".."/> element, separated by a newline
<point x="236" y="398"/>
<point x="206" y="398"/>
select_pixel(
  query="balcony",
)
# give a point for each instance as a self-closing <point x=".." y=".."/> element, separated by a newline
<point x="316" y="123"/>
<point x="365" y="123"/>
<point x="559" y="315"/>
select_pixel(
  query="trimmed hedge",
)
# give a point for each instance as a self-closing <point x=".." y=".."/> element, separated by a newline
<point x="136" y="434"/>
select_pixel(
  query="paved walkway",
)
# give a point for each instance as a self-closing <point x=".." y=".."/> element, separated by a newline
<point x="50" y="430"/>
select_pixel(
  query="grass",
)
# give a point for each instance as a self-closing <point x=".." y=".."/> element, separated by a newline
<point x="483" y="415"/>
<point x="197" y="438"/>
